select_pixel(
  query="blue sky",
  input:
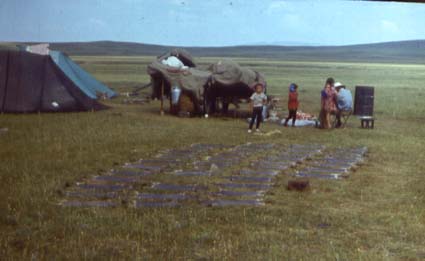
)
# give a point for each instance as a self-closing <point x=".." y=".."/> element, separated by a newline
<point x="211" y="23"/>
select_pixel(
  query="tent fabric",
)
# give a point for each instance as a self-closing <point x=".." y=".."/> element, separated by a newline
<point x="230" y="81"/>
<point x="229" y="73"/>
<point x="87" y="83"/>
<point x="191" y="80"/>
<point x="34" y="83"/>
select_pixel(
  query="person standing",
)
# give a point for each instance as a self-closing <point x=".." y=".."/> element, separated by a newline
<point x="328" y="105"/>
<point x="258" y="99"/>
<point x="293" y="104"/>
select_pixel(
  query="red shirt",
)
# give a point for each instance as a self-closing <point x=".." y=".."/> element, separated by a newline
<point x="293" y="101"/>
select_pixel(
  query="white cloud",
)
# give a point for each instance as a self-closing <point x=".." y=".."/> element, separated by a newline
<point x="389" y="26"/>
<point x="180" y="2"/>
<point x="276" y="6"/>
<point x="292" y="20"/>
<point x="97" y="22"/>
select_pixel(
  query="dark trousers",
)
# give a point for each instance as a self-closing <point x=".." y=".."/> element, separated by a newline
<point x="257" y="113"/>
<point x="292" y="115"/>
<point x="338" y="118"/>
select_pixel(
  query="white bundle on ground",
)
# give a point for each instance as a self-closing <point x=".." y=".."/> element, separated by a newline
<point x="300" y="123"/>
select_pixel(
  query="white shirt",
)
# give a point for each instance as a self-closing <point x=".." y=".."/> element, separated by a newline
<point x="258" y="99"/>
<point x="344" y="100"/>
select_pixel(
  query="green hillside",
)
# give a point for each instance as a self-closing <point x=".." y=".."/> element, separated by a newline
<point x="390" y="52"/>
<point x="7" y="46"/>
<point x="402" y="52"/>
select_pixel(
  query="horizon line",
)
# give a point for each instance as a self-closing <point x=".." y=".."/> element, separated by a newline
<point x="221" y="46"/>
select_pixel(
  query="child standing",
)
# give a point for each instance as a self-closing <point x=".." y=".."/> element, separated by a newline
<point x="258" y="99"/>
<point x="292" y="104"/>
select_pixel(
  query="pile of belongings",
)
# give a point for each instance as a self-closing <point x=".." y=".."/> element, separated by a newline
<point x="274" y="108"/>
<point x="175" y="62"/>
<point x="303" y="119"/>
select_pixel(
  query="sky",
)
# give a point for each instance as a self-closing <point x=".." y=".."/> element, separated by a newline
<point x="211" y="22"/>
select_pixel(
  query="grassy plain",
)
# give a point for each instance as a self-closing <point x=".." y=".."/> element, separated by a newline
<point x="376" y="214"/>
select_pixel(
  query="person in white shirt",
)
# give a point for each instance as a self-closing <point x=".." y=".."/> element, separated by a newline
<point x="344" y="102"/>
<point x="258" y="99"/>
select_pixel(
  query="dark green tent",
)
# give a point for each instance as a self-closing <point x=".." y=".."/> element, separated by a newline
<point x="35" y="83"/>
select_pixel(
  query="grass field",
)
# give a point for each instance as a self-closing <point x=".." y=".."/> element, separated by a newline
<point x="376" y="214"/>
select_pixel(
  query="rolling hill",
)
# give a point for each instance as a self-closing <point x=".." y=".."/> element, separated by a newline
<point x="401" y="52"/>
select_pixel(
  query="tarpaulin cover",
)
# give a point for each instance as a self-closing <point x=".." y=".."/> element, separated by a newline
<point x="229" y="73"/>
<point x="224" y="80"/>
<point x="227" y="77"/>
<point x="190" y="80"/>
<point x="87" y="83"/>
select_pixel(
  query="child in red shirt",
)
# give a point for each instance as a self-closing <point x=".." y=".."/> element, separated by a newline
<point x="292" y="104"/>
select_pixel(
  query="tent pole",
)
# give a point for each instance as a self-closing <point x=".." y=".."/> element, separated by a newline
<point x="6" y="83"/>
<point x="162" y="98"/>
<point x="205" y="101"/>
<point x="170" y="104"/>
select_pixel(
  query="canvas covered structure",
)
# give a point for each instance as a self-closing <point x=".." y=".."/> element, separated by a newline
<point x="231" y="81"/>
<point x="191" y="80"/>
<point x="224" y="80"/>
<point x="35" y="83"/>
<point x="230" y="74"/>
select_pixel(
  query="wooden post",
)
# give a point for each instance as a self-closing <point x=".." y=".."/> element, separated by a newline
<point x="206" y="104"/>
<point x="171" y="104"/>
<point x="162" y="98"/>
